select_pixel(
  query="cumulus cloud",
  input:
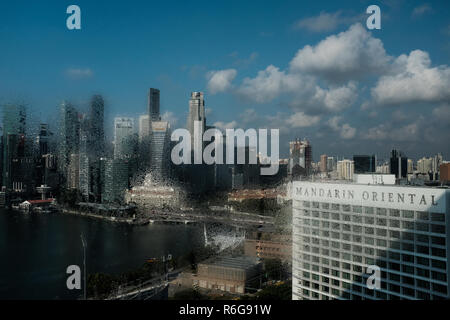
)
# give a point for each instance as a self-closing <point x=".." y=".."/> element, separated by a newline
<point x="226" y="125"/>
<point x="414" y="81"/>
<point x="300" y="120"/>
<point x="171" y="118"/>
<point x="268" y="84"/>
<point x="325" y="21"/>
<point x="79" y="73"/>
<point x="220" y="80"/>
<point x="346" y="131"/>
<point x="338" y="98"/>
<point x="350" y="54"/>
<point x="383" y="132"/>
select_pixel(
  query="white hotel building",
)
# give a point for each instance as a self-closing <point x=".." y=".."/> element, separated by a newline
<point x="339" y="229"/>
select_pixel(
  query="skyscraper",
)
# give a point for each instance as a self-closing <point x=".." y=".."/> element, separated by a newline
<point x="364" y="163"/>
<point x="115" y="179"/>
<point x="160" y="150"/>
<point x="68" y="140"/>
<point x="323" y="163"/>
<point x="196" y="113"/>
<point x="143" y="127"/>
<point x="14" y="117"/>
<point x="96" y="142"/>
<point x="300" y="154"/>
<point x="345" y="169"/>
<point x="398" y="164"/>
<point x="153" y="104"/>
<point x="124" y="138"/>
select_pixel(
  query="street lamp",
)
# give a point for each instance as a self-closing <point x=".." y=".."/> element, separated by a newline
<point x="84" y="263"/>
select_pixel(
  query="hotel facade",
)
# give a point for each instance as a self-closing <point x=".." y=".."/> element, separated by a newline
<point x="340" y="229"/>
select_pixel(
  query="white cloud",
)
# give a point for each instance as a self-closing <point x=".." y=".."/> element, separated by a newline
<point x="323" y="22"/>
<point x="413" y="80"/>
<point x="345" y="130"/>
<point x="383" y="132"/>
<point x="78" y="73"/>
<point x="220" y="81"/>
<point x="171" y="118"/>
<point x="421" y="10"/>
<point x="300" y="120"/>
<point x="336" y="99"/>
<point x="226" y="125"/>
<point x="348" y="55"/>
<point x="268" y="84"/>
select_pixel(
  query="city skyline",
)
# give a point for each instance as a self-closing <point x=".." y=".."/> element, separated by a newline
<point x="345" y="108"/>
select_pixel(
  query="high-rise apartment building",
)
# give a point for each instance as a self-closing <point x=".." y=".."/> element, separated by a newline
<point x="69" y="136"/>
<point x="323" y="163"/>
<point x="341" y="229"/>
<point x="96" y="128"/>
<point x="345" y="169"/>
<point x="143" y="127"/>
<point x="115" y="180"/>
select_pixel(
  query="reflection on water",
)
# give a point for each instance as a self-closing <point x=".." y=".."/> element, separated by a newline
<point x="35" y="250"/>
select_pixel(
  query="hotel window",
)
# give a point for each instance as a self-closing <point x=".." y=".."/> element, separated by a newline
<point x="408" y="236"/>
<point x="422" y="216"/>
<point x="325" y="270"/>
<point x="346" y="217"/>
<point x="408" y="280"/>
<point x="346" y="256"/>
<point x="357" y="259"/>
<point x="325" y="252"/>
<point x="422" y="249"/>
<point x="357" y="239"/>
<point x="346" y="275"/>
<point x="423" y="284"/>
<point x="394" y="234"/>
<point x="335" y="263"/>
<point x="370" y="261"/>
<point x="381" y="243"/>
<point x="394" y="245"/>
<point x="368" y="230"/>
<point x="335" y="226"/>
<point x="315" y="277"/>
<point x="356" y="218"/>
<point x="346" y="237"/>
<point x="346" y="227"/>
<point x="316" y="223"/>
<point x="438" y="240"/>
<point x="369" y="251"/>
<point x="346" y="208"/>
<point x="315" y="205"/>
<point x="369" y="220"/>
<point x="357" y="209"/>
<point x="368" y="240"/>
<point x="437" y="229"/>
<point x="368" y="210"/>
<point x="357" y="229"/>
<point x="325" y="215"/>
<point x="335" y="235"/>
<point x="439" y="217"/>
<point x="305" y="274"/>
<point x="422" y="238"/>
<point x="335" y="282"/>
<point x="394" y="213"/>
<point x="408" y="292"/>
<point x="381" y="211"/>
<point x="315" y="268"/>
<point x="439" y="288"/>
<point x="408" y="214"/>
<point x="438" y="252"/>
<point x="423" y="261"/>
<point x="315" y="214"/>
<point x="394" y="277"/>
<point x="325" y="243"/>
<point x="325" y="205"/>
<point x="381" y="232"/>
<point x="438" y="276"/>
<point x="423" y="295"/>
<point x="335" y="273"/>
<point x="346" y="246"/>
<point x="408" y="247"/>
<point x="335" y="216"/>
<point x="394" y="256"/>
<point x="420" y="226"/>
<point x="325" y="224"/>
<point x="335" y="207"/>
<point x="438" y="264"/>
<point x="394" y="223"/>
<point x="325" y="279"/>
<point x="408" y="258"/>
<point x="422" y="272"/>
<point x="306" y="204"/>
<point x="335" y="292"/>
<point x="394" y="266"/>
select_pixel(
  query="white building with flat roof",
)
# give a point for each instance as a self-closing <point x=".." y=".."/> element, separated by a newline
<point x="340" y="229"/>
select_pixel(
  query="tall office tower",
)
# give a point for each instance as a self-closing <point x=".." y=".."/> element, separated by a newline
<point x="300" y="153"/>
<point x="69" y="136"/>
<point x="115" y="180"/>
<point x="85" y="160"/>
<point x="160" y="150"/>
<point x="143" y="127"/>
<point x="364" y="163"/>
<point x="73" y="177"/>
<point x="42" y="139"/>
<point x="14" y="118"/>
<point x="196" y="113"/>
<point x="153" y="105"/>
<point x="96" y="142"/>
<point x="345" y="169"/>
<point x="437" y="161"/>
<point x="340" y="229"/>
<point x="124" y="138"/>
<point x="425" y="165"/>
<point x="398" y="164"/>
<point x="323" y="163"/>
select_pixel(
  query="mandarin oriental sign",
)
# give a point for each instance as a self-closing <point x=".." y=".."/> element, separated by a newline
<point x="395" y="197"/>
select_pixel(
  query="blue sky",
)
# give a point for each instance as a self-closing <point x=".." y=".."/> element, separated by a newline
<point x="311" y="69"/>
